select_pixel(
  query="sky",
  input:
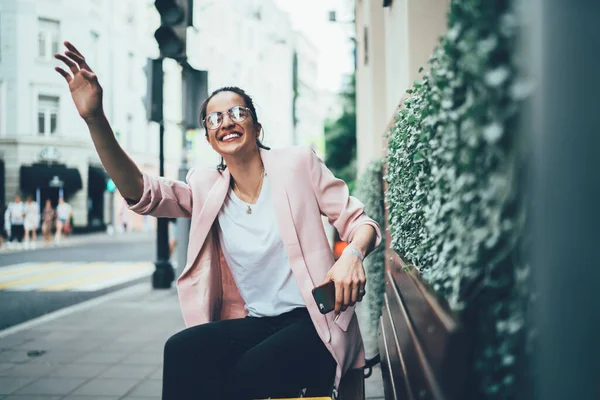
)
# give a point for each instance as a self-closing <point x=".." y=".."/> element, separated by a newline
<point x="333" y="40"/>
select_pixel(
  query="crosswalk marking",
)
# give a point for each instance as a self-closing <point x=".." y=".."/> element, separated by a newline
<point x="69" y="271"/>
<point x="94" y="277"/>
<point x="71" y="276"/>
<point x="45" y="275"/>
<point x="24" y="268"/>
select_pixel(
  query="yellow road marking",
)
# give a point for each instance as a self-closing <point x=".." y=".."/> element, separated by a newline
<point x="52" y="274"/>
<point x="29" y="268"/>
<point x="91" y="278"/>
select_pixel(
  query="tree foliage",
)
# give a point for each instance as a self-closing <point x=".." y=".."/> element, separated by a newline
<point x="340" y="137"/>
<point x="455" y="187"/>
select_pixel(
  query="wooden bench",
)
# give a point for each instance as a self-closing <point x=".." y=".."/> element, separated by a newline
<point x="425" y="351"/>
<point x="352" y="385"/>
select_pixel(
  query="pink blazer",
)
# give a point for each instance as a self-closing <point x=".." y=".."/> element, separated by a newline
<point x="303" y="189"/>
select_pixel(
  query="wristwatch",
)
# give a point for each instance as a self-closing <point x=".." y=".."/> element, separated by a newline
<point x="355" y="252"/>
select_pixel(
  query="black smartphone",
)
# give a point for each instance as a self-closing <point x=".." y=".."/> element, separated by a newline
<point x="324" y="296"/>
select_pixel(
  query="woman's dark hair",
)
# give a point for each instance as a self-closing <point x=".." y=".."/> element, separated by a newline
<point x="249" y="104"/>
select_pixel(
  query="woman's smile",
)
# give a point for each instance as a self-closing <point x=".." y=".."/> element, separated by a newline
<point x="230" y="137"/>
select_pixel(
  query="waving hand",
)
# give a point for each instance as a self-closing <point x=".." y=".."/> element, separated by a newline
<point x="83" y="83"/>
<point x="87" y="96"/>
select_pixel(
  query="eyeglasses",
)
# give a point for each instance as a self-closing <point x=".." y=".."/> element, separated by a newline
<point x="236" y="113"/>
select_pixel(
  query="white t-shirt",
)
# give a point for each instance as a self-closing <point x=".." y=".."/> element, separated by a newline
<point x="256" y="255"/>
<point x="16" y="213"/>
<point x="31" y="215"/>
<point x="62" y="211"/>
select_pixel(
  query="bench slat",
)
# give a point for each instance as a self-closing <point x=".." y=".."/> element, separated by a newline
<point x="395" y="383"/>
<point x="421" y="380"/>
<point x="433" y="349"/>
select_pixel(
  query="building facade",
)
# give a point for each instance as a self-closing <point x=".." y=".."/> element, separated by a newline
<point x="308" y="106"/>
<point x="394" y="39"/>
<point x="45" y="147"/>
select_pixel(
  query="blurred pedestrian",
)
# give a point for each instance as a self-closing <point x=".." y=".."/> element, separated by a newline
<point x="3" y="230"/>
<point x="48" y="219"/>
<point x="14" y="219"/>
<point x="63" y="219"/>
<point x="32" y="222"/>
<point x="172" y="236"/>
<point x="123" y="216"/>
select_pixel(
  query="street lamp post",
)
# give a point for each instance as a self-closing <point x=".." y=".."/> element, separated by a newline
<point x="193" y="92"/>
<point x="171" y="37"/>
<point x="163" y="273"/>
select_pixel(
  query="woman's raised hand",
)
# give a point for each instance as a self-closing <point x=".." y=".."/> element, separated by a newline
<point x="83" y="83"/>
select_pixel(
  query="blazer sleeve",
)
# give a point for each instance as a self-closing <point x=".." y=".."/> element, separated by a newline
<point x="164" y="197"/>
<point x="344" y="212"/>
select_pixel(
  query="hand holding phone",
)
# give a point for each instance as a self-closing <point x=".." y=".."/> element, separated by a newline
<point x="324" y="296"/>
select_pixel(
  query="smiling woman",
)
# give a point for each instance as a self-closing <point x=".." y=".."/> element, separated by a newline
<point x="237" y="114"/>
<point x="257" y="247"/>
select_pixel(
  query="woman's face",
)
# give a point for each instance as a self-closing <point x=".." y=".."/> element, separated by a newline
<point x="231" y="138"/>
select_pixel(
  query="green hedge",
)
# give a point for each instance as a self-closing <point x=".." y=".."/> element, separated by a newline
<point x="456" y="204"/>
<point x="369" y="190"/>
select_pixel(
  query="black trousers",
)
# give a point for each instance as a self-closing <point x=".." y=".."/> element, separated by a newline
<point x="17" y="232"/>
<point x="248" y="358"/>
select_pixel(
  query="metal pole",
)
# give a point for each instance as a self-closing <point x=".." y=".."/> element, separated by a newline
<point x="566" y="206"/>
<point x="183" y="224"/>
<point x="163" y="274"/>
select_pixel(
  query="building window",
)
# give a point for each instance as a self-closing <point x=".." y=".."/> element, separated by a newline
<point x="129" y="128"/>
<point x="131" y="11"/>
<point x="130" y="67"/>
<point x="47" y="115"/>
<point x="95" y="39"/>
<point x="366" y="43"/>
<point x="48" y="38"/>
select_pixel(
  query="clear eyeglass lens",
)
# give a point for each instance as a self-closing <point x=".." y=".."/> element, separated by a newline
<point x="237" y="114"/>
<point x="213" y="120"/>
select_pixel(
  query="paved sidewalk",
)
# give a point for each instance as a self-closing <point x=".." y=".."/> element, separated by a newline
<point x="106" y="349"/>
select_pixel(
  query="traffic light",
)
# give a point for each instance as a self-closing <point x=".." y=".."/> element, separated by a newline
<point x="154" y="90"/>
<point x="110" y="185"/>
<point x="195" y="88"/>
<point x="175" y="16"/>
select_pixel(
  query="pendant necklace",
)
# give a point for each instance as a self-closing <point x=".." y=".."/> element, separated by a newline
<point x="249" y="209"/>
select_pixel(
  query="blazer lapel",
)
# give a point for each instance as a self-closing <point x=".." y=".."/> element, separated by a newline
<point x="289" y="235"/>
<point x="216" y="197"/>
<point x="203" y="223"/>
<point x="280" y="198"/>
<point x="283" y="211"/>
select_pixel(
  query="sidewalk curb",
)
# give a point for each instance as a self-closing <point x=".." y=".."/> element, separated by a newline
<point x="136" y="289"/>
